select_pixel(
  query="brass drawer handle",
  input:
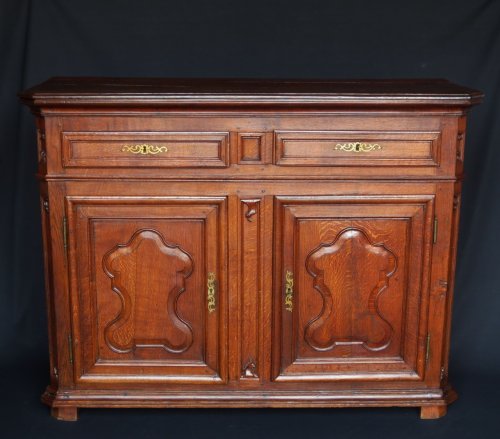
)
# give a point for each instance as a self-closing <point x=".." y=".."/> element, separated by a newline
<point x="357" y="147"/>
<point x="211" y="292"/>
<point x="289" y="291"/>
<point x="144" y="149"/>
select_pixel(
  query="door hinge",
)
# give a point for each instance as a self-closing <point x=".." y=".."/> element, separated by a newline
<point x="442" y="375"/>
<point x="435" y="235"/>
<point x="65" y="234"/>
<point x="70" y="349"/>
<point x="428" y="348"/>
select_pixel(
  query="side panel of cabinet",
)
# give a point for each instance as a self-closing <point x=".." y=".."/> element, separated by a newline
<point x="148" y="288"/>
<point x="352" y="278"/>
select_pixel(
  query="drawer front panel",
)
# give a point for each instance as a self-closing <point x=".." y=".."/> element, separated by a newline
<point x="144" y="149"/>
<point x="357" y="148"/>
<point x="261" y="146"/>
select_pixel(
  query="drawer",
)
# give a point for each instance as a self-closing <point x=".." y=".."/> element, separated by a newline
<point x="357" y="148"/>
<point x="146" y="149"/>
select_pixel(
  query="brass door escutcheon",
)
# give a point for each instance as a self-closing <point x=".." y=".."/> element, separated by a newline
<point x="144" y="149"/>
<point x="289" y="291"/>
<point x="211" y="292"/>
<point x="357" y="147"/>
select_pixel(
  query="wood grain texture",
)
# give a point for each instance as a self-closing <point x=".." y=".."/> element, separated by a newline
<point x="65" y="413"/>
<point x="114" y="149"/>
<point x="433" y="411"/>
<point x="251" y="286"/>
<point x="249" y="255"/>
<point x="149" y="303"/>
<point x="140" y="305"/>
<point x="162" y="91"/>
<point x="336" y="269"/>
<point x="250" y="147"/>
<point x="337" y="148"/>
<point x="341" y="328"/>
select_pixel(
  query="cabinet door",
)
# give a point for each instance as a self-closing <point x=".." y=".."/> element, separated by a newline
<point x="147" y="289"/>
<point x="351" y="287"/>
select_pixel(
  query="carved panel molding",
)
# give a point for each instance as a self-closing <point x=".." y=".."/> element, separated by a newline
<point x="250" y="286"/>
<point x="123" y="264"/>
<point x="348" y="255"/>
<point x="251" y="208"/>
<point x="250" y="147"/>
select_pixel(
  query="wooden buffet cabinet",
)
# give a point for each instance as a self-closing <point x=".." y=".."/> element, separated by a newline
<point x="249" y="243"/>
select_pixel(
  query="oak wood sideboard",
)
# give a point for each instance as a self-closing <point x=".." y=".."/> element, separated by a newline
<point x="249" y="243"/>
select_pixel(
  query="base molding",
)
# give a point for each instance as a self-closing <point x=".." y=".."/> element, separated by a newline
<point x="433" y="403"/>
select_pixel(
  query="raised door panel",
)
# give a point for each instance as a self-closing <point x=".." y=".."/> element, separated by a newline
<point x="147" y="289"/>
<point x="351" y="287"/>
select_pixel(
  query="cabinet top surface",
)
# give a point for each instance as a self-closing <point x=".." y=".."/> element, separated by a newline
<point x="86" y="91"/>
